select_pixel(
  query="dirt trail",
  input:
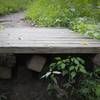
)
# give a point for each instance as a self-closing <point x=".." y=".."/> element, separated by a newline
<point x="14" y="20"/>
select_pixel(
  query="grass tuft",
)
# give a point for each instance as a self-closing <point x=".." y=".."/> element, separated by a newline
<point x="8" y="6"/>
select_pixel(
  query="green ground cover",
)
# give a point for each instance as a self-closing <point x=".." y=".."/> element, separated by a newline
<point x="7" y="6"/>
<point x="69" y="79"/>
<point x="65" y="13"/>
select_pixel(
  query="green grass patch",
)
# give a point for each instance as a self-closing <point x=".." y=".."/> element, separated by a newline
<point x="48" y="13"/>
<point x="86" y="26"/>
<point x="7" y="6"/>
<point x="67" y="13"/>
<point x="60" y="12"/>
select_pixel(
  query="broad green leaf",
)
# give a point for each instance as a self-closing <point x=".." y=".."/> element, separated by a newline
<point x="54" y="79"/>
<point x="59" y="62"/>
<point x="71" y="68"/>
<point x="76" y="67"/>
<point x="76" y="61"/>
<point x="98" y="90"/>
<point x="81" y="60"/>
<point x="72" y="59"/>
<point x="73" y="74"/>
<point x="57" y="58"/>
<point x="97" y="69"/>
<point x="83" y="70"/>
<point x="66" y="60"/>
<point x="53" y="64"/>
<point x="63" y="66"/>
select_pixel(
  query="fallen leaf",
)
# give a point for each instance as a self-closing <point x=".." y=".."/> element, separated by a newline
<point x="1" y="28"/>
<point x="84" y="43"/>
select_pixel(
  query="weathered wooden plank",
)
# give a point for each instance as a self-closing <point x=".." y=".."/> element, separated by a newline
<point x="46" y="50"/>
<point x="66" y="43"/>
<point x="51" y="42"/>
<point x="36" y="44"/>
<point x="36" y="30"/>
<point x="46" y="40"/>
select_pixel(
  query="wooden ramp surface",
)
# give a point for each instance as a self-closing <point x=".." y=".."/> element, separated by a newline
<point x="45" y="40"/>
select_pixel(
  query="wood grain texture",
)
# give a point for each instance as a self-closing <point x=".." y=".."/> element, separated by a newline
<point x="45" y="40"/>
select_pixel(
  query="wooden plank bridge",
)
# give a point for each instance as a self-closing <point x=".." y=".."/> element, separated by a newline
<point x="45" y="40"/>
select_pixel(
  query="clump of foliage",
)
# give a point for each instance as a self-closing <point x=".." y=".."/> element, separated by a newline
<point x="68" y="79"/>
<point x="49" y="12"/>
<point x="7" y="6"/>
<point x="60" y="12"/>
<point x="86" y="26"/>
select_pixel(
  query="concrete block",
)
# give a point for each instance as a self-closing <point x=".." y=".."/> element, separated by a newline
<point x="96" y="60"/>
<point x="5" y="72"/>
<point x="36" y="63"/>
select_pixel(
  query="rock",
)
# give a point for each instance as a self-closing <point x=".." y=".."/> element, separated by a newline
<point x="36" y="63"/>
<point x="96" y="60"/>
<point x="5" y="72"/>
<point x="7" y="60"/>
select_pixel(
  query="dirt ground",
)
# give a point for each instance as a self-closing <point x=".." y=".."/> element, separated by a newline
<point x="25" y="85"/>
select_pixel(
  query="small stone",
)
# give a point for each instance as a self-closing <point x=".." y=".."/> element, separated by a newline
<point x="96" y="60"/>
<point x="36" y="63"/>
<point x="5" y="72"/>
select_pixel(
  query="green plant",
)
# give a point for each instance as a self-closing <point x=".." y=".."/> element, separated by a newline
<point x="60" y="12"/>
<point x="67" y="70"/>
<point x="68" y="79"/>
<point x="86" y="26"/>
<point x="89" y="88"/>
<point x="49" y="13"/>
<point x="7" y="6"/>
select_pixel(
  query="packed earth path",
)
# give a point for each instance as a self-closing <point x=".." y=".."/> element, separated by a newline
<point x="25" y="84"/>
<point x="14" y="20"/>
